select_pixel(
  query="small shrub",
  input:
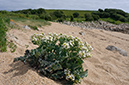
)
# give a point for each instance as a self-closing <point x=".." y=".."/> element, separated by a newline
<point x="42" y="16"/>
<point x="45" y="16"/>
<point x="95" y="17"/>
<point x="59" y="57"/>
<point x="48" y="17"/>
<point x="100" y="10"/>
<point x="33" y="27"/>
<point x="60" y="20"/>
<point x="71" y="18"/>
<point x="58" y="14"/>
<point x="123" y="19"/>
<point x="75" y="15"/>
<point x="26" y="46"/>
<point x="12" y="47"/>
<point x="88" y="17"/>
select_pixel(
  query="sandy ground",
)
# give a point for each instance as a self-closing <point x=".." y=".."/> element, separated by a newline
<point x="104" y="67"/>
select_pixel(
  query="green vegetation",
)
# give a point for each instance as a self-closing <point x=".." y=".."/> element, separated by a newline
<point x="12" y="46"/>
<point x="88" y="17"/>
<point x="3" y="29"/>
<point x="75" y="15"/>
<point x="33" y="21"/>
<point x="38" y="17"/>
<point x="69" y="13"/>
<point x="71" y="18"/>
<point x="112" y="21"/>
<point x="58" y="56"/>
<point x="115" y="16"/>
<point x="26" y="46"/>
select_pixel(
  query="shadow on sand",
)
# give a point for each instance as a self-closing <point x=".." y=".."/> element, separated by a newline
<point x="19" y="68"/>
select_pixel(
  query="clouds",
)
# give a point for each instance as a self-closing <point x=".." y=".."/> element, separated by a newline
<point x="64" y="4"/>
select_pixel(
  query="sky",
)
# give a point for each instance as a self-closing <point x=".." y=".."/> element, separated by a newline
<point x="11" y="5"/>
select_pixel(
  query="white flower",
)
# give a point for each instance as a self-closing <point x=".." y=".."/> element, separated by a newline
<point x="34" y="39"/>
<point x="88" y="54"/>
<point x="66" y="45"/>
<point x="70" y="76"/>
<point x="67" y="71"/>
<point x="84" y="47"/>
<point x="71" y="37"/>
<point x="50" y="38"/>
<point x="71" y="43"/>
<point x="46" y="37"/>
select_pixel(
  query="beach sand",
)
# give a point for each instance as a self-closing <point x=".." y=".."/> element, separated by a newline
<point x="104" y="67"/>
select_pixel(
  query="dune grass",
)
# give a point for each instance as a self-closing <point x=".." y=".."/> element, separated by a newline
<point x="32" y="22"/>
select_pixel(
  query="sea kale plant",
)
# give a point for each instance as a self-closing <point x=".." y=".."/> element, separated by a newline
<point x="36" y="38"/>
<point x="58" y="56"/>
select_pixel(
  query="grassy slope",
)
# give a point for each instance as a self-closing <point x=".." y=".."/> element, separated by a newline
<point x="70" y="12"/>
<point x="4" y="26"/>
<point x="81" y="15"/>
<point x="32" y="22"/>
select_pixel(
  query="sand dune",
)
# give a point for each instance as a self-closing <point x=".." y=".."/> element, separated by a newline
<point x="104" y="67"/>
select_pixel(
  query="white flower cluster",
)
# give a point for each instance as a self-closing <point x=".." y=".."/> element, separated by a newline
<point x="69" y="75"/>
<point x="37" y="37"/>
<point x="68" y="42"/>
<point x="85" y="49"/>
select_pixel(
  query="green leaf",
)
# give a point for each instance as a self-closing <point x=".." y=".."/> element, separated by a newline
<point x="58" y="75"/>
<point x="84" y="74"/>
<point x="19" y="58"/>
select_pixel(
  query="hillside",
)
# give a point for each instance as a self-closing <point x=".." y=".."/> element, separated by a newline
<point x="116" y="16"/>
<point x="104" y="67"/>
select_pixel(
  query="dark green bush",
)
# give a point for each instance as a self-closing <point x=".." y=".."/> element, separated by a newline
<point x="31" y="11"/>
<point x="71" y="18"/>
<point x="58" y="13"/>
<point x="105" y="15"/>
<point x="45" y="16"/>
<point x="95" y="17"/>
<point x="128" y="19"/>
<point x="100" y="10"/>
<point x="75" y="15"/>
<point x="48" y="17"/>
<point x="42" y="16"/>
<point x="118" y="17"/>
<point x="123" y="19"/>
<point x="4" y="12"/>
<point x="88" y="17"/>
<point x="60" y="19"/>
<point x="41" y="11"/>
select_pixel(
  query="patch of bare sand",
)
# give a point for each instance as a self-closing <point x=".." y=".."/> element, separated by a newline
<point x="104" y="67"/>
